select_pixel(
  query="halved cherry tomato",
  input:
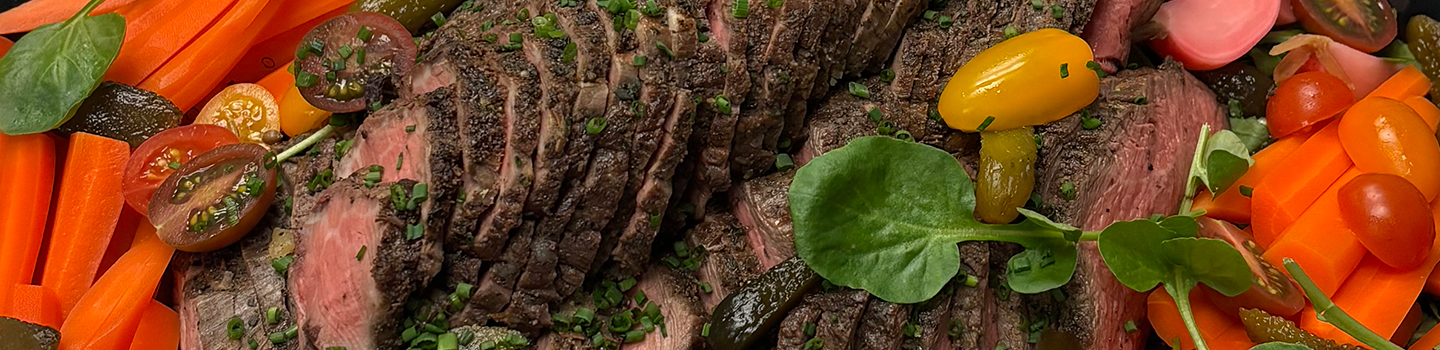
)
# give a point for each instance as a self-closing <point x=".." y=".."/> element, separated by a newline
<point x="345" y="62"/>
<point x="297" y="116"/>
<point x="246" y="109"/>
<point x="164" y="153"/>
<point x="1273" y="291"/>
<point x="215" y="199"/>
<point x="1367" y="25"/>
<point x="1304" y="100"/>
<point x="1390" y="217"/>
<point x="1382" y="135"/>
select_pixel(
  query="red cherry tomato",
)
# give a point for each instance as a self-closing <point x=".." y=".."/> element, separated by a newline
<point x="1367" y="25"/>
<point x="1272" y="291"/>
<point x="1390" y="217"/>
<point x="215" y="199"/>
<point x="164" y="153"/>
<point x="1304" y="100"/>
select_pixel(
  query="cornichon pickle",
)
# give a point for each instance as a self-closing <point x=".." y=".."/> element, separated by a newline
<point x="123" y="113"/>
<point x="751" y="312"/>
<point x="19" y="335"/>
<point x="1263" y="328"/>
<point x="1240" y="82"/>
<point x="1006" y="174"/>
<point x="1423" y="35"/>
<point x="414" y="14"/>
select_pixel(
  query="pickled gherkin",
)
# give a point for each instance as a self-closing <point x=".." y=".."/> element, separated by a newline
<point x="1006" y="174"/>
<point x="414" y="14"/>
<point x="1423" y="36"/>
<point x="1263" y="328"/>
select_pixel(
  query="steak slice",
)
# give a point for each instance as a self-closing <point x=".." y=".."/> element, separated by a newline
<point x="728" y="262"/>
<point x="882" y="326"/>
<point x="356" y="264"/>
<point x="762" y="206"/>
<point x="1132" y="167"/>
<point x="678" y="297"/>
<point x="235" y="282"/>
<point x="834" y="315"/>
<point x="717" y="73"/>
<point x="880" y="29"/>
<point x="1109" y="30"/>
<point x="521" y="81"/>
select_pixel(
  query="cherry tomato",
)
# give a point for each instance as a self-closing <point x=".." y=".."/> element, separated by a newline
<point x="345" y="62"/>
<point x="1367" y="25"/>
<point x="1305" y="100"/>
<point x="164" y="153"/>
<point x="246" y="109"/>
<point x="1273" y="290"/>
<point x="1385" y="136"/>
<point x="215" y="199"/>
<point x="297" y="116"/>
<point x="1390" y="217"/>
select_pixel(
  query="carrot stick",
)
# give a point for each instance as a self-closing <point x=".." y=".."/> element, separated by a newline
<point x="1233" y="205"/>
<point x="278" y="82"/>
<point x="1409" y="326"/>
<point x="35" y="13"/>
<point x="31" y="303"/>
<point x="271" y="55"/>
<point x="1370" y="296"/>
<point x="107" y="316"/>
<point x="121" y="241"/>
<point x="159" y="329"/>
<point x="156" y="30"/>
<point x="1278" y="200"/>
<point x="87" y="211"/>
<point x="5" y="45"/>
<point x="1320" y="241"/>
<point x="1427" y="342"/>
<point x="1409" y="81"/>
<point x="302" y="15"/>
<point x="1220" y="331"/>
<point x="25" y="191"/>
<point x="197" y="69"/>
<point x="1426" y="109"/>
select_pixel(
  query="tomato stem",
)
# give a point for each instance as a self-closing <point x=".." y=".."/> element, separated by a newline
<point x="304" y="144"/>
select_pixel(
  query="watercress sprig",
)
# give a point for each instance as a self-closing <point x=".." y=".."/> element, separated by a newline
<point x="1328" y="312"/>
<point x="52" y="69"/>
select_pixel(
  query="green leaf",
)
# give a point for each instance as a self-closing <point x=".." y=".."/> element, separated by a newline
<point x="1210" y="261"/>
<point x="1280" y="346"/>
<point x="1251" y="131"/>
<point x="1129" y="250"/>
<point x="1181" y="226"/>
<point x="50" y="71"/>
<point x="1225" y="160"/>
<point x="1033" y="218"/>
<point x="884" y="215"/>
<point x="1041" y="269"/>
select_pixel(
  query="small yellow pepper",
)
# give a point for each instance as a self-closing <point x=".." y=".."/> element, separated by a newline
<point x="1027" y="80"/>
<point x="297" y="116"/>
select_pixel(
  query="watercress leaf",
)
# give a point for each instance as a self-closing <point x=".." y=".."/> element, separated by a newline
<point x="52" y="69"/>
<point x="1252" y="132"/>
<point x="1225" y="159"/>
<point x="1210" y="261"/>
<point x="1181" y="225"/>
<point x="1128" y="249"/>
<point x="1280" y="346"/>
<point x="884" y="215"/>
<point x="1040" y="269"/>
<point x="1033" y="218"/>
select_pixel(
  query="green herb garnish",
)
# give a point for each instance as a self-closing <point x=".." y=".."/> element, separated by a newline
<point x="859" y="90"/>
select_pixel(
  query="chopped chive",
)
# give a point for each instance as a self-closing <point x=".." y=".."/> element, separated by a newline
<point x="1037" y="4"/>
<point x="1130" y="327"/>
<point x="596" y="125"/>
<point x="1057" y="12"/>
<point x="409" y="128"/>
<point x="875" y="114"/>
<point x="304" y="79"/>
<point x="665" y="49"/>
<point x="360" y="256"/>
<point x="722" y="104"/>
<point x="859" y="90"/>
<point x="439" y="19"/>
<point x="1247" y="191"/>
<point x="346" y="51"/>
<point x="277" y="338"/>
<point x="365" y="34"/>
<point x="317" y="47"/>
<point x="516" y="38"/>
<point x="930" y="15"/>
<point x="1096" y="67"/>
<point x="570" y="52"/>
<point x="272" y="315"/>
<point x="971" y="281"/>
<point x="783" y="162"/>
<point x="1141" y="100"/>
<point x="282" y="264"/>
<point x="741" y="9"/>
<point x="1011" y="32"/>
<point x="174" y="165"/>
<point x="946" y="21"/>
<point x="414" y="232"/>
<point x="887" y="75"/>
<point x="1088" y="122"/>
<point x="235" y="328"/>
<point x="626" y="284"/>
<point x="705" y="330"/>
<point x="985" y="124"/>
<point x="705" y="287"/>
<point x="639" y="61"/>
<point x="1067" y="191"/>
<point x="775" y="3"/>
<point x="1064" y="70"/>
<point x="904" y="135"/>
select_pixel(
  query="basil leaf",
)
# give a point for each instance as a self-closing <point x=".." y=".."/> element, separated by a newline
<point x="1280" y="346"/>
<point x="52" y="69"/>
<point x="1041" y="269"/>
<point x="1224" y="161"/>
<point x="885" y="215"/>
<point x="1210" y="261"/>
<point x="1252" y="132"/>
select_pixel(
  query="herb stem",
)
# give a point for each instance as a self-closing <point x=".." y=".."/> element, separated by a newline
<point x="90" y="6"/>
<point x="1190" y="181"/>
<point x="1179" y="290"/>
<point x="304" y="144"/>
<point x="1328" y="312"/>
<point x="1090" y="236"/>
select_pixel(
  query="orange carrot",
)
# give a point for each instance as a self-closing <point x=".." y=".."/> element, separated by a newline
<point x="192" y="73"/>
<point x="121" y="241"/>
<point x="35" y="13"/>
<point x="31" y="303"/>
<point x="87" y="211"/>
<point x="278" y="82"/>
<point x="1220" y="331"/>
<point x="1370" y="296"/>
<point x="1232" y="205"/>
<point x="1309" y="170"/>
<point x="302" y="15"/>
<point x="274" y="53"/>
<point x="5" y="45"/>
<point x="159" y="329"/>
<point x="1408" y="82"/>
<point x="1427" y="342"/>
<point x="1426" y="109"/>
<point x="25" y="191"/>
<point x="1320" y="242"/>
<point x="1409" y="326"/>
<point x="156" y="30"/>
<point x="107" y="316"/>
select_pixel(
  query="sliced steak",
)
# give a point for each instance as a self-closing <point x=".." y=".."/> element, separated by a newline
<point x="235" y="282"/>
<point x="836" y="44"/>
<point x="718" y="77"/>
<point x="971" y="314"/>
<point x="520" y="79"/>
<point x="1109" y="30"/>
<point x="836" y="316"/>
<point x="882" y="326"/>
<point x="763" y="207"/>
<point x="881" y="26"/>
<point x="356" y="264"/>
<point x="563" y="341"/>
<point x="1132" y="167"/>
<point x="678" y="297"/>
<point x="773" y="31"/>
<point x="729" y="261"/>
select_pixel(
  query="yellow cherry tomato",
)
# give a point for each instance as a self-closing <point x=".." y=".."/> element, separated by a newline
<point x="297" y="116"/>
<point x="1027" y="80"/>
<point x="246" y="109"/>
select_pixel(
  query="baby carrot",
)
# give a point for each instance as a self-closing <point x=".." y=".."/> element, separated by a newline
<point x="121" y="241"/>
<point x="31" y="303"/>
<point x="192" y="73"/>
<point x="1279" y="199"/>
<point x="87" y="211"/>
<point x="35" y="13"/>
<point x="25" y="191"/>
<point x="1409" y="81"/>
<point x="1426" y="109"/>
<point x="1320" y="241"/>
<point x="159" y="329"/>
<point x="1220" y="331"/>
<point x="107" y="316"/>
<point x="157" y="30"/>
<point x="1233" y="205"/>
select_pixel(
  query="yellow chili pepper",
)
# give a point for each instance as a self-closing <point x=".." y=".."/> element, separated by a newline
<point x="1027" y="80"/>
<point x="297" y="116"/>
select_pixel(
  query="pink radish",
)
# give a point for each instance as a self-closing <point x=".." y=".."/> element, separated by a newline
<point x="1208" y="34"/>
